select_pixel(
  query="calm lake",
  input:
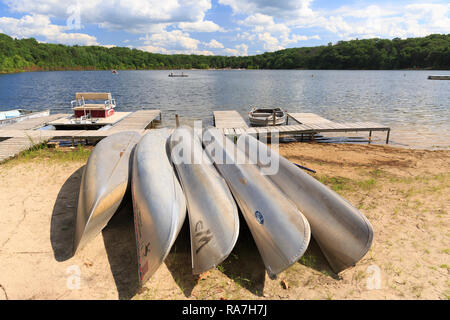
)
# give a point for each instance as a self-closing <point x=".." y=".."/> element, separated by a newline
<point x="417" y="109"/>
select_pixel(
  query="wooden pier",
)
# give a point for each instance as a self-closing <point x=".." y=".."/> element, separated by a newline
<point x="307" y="124"/>
<point x="21" y="136"/>
<point x="68" y="121"/>
<point x="438" y="77"/>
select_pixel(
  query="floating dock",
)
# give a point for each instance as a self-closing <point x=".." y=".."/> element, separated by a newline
<point x="438" y="77"/>
<point x="231" y="123"/>
<point x="68" y="121"/>
<point x="22" y="136"/>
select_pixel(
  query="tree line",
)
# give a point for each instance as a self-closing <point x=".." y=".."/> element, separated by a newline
<point x="430" y="52"/>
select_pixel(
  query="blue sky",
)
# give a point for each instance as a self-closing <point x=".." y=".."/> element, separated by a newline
<point x="220" y="27"/>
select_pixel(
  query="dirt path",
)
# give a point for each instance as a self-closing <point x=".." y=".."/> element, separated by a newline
<point x="404" y="193"/>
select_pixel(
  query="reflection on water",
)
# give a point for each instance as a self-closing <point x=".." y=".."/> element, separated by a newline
<point x="415" y="108"/>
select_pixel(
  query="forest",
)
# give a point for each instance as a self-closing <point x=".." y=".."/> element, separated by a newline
<point x="430" y="52"/>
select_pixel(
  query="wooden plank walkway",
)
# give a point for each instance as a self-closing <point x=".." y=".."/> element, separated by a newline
<point x="13" y="146"/>
<point x="232" y="124"/>
<point x="308" y="118"/>
<point x="21" y="136"/>
<point x="139" y="120"/>
<point x="67" y="121"/>
<point x="229" y="119"/>
<point x="33" y="123"/>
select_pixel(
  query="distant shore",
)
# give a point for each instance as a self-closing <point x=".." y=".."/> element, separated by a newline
<point x="209" y="69"/>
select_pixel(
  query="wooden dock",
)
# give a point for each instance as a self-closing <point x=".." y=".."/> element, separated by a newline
<point x="438" y="77"/>
<point x="33" y="123"/>
<point x="228" y="119"/>
<point x="68" y="121"/>
<point x="309" y="124"/>
<point x="19" y="137"/>
<point x="22" y="136"/>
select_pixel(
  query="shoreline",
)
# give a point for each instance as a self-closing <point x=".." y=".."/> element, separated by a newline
<point x="404" y="193"/>
<point x="212" y="69"/>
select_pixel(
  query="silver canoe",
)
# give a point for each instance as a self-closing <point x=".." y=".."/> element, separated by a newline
<point x="103" y="185"/>
<point x="158" y="202"/>
<point x="279" y="229"/>
<point x="343" y="233"/>
<point x="213" y="215"/>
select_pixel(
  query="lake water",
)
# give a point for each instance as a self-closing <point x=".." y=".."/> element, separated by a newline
<point x="417" y="109"/>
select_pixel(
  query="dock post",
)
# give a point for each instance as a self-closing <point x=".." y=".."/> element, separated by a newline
<point x="387" y="136"/>
<point x="177" y="121"/>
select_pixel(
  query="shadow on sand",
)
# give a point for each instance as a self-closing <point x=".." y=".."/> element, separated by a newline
<point x="314" y="259"/>
<point x="64" y="214"/>
<point x="118" y="236"/>
<point x="244" y="265"/>
<point x="120" y="245"/>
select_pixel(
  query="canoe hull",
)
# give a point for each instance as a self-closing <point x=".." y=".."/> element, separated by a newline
<point x="342" y="232"/>
<point x="279" y="229"/>
<point x="213" y="215"/>
<point x="103" y="185"/>
<point x="159" y="204"/>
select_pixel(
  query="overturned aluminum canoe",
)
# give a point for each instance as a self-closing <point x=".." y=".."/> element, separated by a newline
<point x="103" y="185"/>
<point x="279" y="229"/>
<point x="213" y="215"/>
<point x="343" y="233"/>
<point x="158" y="202"/>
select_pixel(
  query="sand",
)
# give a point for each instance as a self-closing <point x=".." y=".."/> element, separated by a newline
<point x="404" y="193"/>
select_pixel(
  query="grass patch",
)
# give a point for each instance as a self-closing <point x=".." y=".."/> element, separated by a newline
<point x="42" y="152"/>
<point x="340" y="184"/>
<point x="308" y="260"/>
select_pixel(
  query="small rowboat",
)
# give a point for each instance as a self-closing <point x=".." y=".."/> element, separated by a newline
<point x="267" y="117"/>
<point x="182" y="75"/>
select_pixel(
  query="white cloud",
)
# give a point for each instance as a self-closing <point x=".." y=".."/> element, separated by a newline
<point x="214" y="44"/>
<point x="135" y="16"/>
<point x="41" y="26"/>
<point x="200" y="26"/>
<point x="274" y="36"/>
<point x="172" y="42"/>
<point x="391" y="21"/>
<point x="239" y="50"/>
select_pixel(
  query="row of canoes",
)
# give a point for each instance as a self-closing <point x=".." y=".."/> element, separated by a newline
<point x="210" y="176"/>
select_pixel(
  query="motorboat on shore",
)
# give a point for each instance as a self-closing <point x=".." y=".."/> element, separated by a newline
<point x="267" y="117"/>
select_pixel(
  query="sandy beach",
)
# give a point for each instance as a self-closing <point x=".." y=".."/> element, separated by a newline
<point x="405" y="194"/>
